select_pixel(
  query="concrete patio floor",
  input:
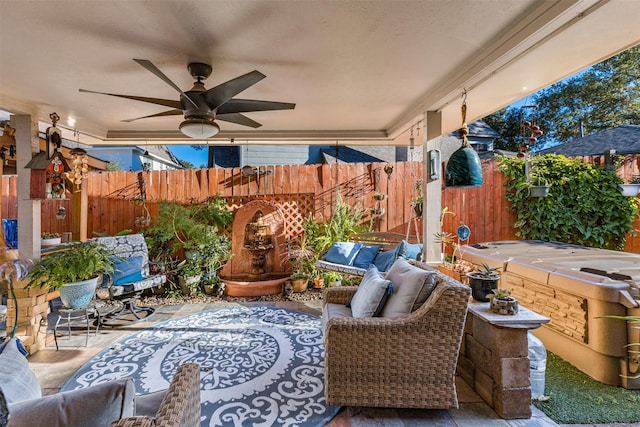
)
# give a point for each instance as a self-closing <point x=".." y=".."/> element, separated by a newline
<point x="53" y="368"/>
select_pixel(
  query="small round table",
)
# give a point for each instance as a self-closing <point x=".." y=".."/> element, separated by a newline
<point x="75" y="316"/>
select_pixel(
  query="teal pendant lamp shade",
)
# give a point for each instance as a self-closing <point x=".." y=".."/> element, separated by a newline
<point x="464" y="168"/>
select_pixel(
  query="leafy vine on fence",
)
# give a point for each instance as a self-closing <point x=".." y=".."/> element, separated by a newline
<point x="584" y="205"/>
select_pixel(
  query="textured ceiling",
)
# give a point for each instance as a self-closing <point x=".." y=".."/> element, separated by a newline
<point x="359" y="71"/>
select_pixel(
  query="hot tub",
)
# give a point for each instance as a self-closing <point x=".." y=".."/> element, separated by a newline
<point x="573" y="286"/>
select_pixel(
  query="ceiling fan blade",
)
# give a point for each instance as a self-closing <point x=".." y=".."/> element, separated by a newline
<point x="246" y="105"/>
<point x="176" y="112"/>
<point x="239" y="119"/>
<point x="150" y="67"/>
<point x="222" y="93"/>
<point x="157" y="101"/>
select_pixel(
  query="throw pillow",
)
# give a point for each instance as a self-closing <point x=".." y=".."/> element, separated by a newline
<point x="384" y="260"/>
<point x="18" y="381"/>
<point x="412" y="251"/>
<point x="4" y="411"/>
<point x="371" y="295"/>
<point x="343" y="252"/>
<point x="412" y="286"/>
<point x="126" y="268"/>
<point x="366" y="255"/>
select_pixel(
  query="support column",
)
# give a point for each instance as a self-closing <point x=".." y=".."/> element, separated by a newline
<point x="80" y="211"/>
<point x="31" y="304"/>
<point x="432" y="197"/>
<point x="29" y="211"/>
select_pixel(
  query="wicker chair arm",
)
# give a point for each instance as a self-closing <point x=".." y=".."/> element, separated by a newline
<point x="134" y="422"/>
<point x="338" y="295"/>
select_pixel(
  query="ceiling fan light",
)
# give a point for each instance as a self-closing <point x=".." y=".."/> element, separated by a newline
<point x="199" y="128"/>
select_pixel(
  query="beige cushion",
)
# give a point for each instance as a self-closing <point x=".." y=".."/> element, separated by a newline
<point x="333" y="311"/>
<point x="95" y="406"/>
<point x="411" y="288"/>
<point x="371" y="294"/>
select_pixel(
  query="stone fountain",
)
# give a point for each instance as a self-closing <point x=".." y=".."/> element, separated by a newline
<point x="259" y="265"/>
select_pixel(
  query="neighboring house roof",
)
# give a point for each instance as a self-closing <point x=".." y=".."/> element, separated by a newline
<point x="162" y="152"/>
<point x="624" y="139"/>
<point x="479" y="129"/>
<point x="348" y="154"/>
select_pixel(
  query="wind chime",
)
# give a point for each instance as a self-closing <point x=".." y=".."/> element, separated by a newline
<point x="530" y="133"/>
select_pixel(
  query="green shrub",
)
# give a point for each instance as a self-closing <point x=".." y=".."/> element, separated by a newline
<point x="584" y="205"/>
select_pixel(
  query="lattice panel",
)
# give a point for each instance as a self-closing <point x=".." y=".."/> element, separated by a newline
<point x="295" y="208"/>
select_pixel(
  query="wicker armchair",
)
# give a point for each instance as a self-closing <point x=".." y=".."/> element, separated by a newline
<point x="180" y="406"/>
<point x="407" y="361"/>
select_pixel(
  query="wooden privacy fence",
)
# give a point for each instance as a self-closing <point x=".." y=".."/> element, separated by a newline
<point x="116" y="199"/>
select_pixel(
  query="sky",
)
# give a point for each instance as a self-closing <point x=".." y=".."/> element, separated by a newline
<point x="188" y="153"/>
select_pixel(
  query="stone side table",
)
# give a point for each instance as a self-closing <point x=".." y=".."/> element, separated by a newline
<point x="494" y="358"/>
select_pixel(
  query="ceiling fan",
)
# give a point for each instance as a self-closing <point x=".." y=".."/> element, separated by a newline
<point x="201" y="107"/>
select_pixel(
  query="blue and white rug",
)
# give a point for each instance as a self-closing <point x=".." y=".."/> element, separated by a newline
<point x="260" y="365"/>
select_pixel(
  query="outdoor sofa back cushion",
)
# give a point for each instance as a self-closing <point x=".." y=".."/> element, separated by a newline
<point x="371" y="294"/>
<point x="17" y="381"/>
<point x="127" y="270"/>
<point x="366" y="255"/>
<point x="343" y="252"/>
<point x="411" y="288"/>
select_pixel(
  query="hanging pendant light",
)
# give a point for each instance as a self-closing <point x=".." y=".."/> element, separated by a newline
<point x="464" y="168"/>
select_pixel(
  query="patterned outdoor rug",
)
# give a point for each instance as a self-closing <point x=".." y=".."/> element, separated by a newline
<point x="260" y="365"/>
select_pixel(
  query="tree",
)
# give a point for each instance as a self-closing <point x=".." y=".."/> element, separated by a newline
<point x="603" y="96"/>
<point x="507" y="122"/>
<point x="186" y="164"/>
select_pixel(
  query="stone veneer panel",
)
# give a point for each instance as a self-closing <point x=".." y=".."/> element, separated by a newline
<point x="568" y="313"/>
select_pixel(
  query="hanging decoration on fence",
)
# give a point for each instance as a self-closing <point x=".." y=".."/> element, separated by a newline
<point x="464" y="168"/>
<point x="79" y="167"/>
<point x="48" y="171"/>
<point x="54" y="136"/>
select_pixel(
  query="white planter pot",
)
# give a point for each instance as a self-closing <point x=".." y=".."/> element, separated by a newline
<point x="630" y="190"/>
<point x="188" y="285"/>
<point x="51" y="242"/>
<point x="539" y="191"/>
<point x="78" y="295"/>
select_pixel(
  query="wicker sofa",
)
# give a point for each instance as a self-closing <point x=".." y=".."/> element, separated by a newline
<point x="112" y="403"/>
<point x="408" y="361"/>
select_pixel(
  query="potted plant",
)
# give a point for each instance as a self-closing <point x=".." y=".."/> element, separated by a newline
<point x="540" y="190"/>
<point x="73" y="271"/>
<point x="300" y="255"/>
<point x="502" y="302"/>
<point x="50" y="239"/>
<point x="483" y="282"/>
<point x="318" y="282"/>
<point x="632" y="187"/>
<point x="417" y="201"/>
<point x="332" y="278"/>
<point x="190" y="273"/>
